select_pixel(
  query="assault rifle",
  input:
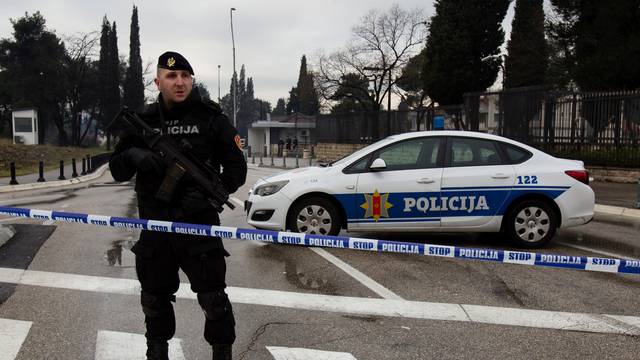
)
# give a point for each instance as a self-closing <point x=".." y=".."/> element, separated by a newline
<point x="179" y="163"/>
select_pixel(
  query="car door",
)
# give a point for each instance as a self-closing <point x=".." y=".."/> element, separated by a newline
<point x="399" y="196"/>
<point x="476" y="181"/>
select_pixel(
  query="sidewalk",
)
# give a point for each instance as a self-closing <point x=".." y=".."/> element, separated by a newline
<point x="49" y="175"/>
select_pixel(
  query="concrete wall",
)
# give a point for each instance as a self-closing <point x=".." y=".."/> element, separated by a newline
<point x="611" y="174"/>
<point x="332" y="151"/>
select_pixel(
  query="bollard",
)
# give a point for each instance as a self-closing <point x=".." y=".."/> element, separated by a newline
<point x="84" y="167"/>
<point x="284" y="161"/>
<point x="41" y="172"/>
<point x="74" y="172"/>
<point x="61" y="177"/>
<point x="297" y="164"/>
<point x="89" y="163"/>
<point x="310" y="160"/>
<point x="261" y="164"/>
<point x="253" y="158"/>
<point x="271" y="159"/>
<point x="13" y="181"/>
<point x="638" y="195"/>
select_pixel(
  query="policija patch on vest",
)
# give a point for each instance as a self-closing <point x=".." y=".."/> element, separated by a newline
<point x="238" y="142"/>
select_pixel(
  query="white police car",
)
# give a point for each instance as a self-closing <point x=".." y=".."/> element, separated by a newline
<point x="447" y="181"/>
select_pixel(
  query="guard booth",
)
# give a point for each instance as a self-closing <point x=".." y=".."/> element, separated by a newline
<point x="25" y="126"/>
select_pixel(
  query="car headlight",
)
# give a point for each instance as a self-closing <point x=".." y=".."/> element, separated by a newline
<point x="270" y="188"/>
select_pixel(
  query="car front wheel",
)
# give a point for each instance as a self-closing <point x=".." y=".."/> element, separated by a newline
<point x="531" y="224"/>
<point x="316" y="216"/>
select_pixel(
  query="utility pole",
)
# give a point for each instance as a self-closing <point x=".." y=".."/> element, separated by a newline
<point x="218" y="83"/>
<point x="233" y="43"/>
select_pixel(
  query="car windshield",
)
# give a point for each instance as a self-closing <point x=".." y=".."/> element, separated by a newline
<point x="362" y="151"/>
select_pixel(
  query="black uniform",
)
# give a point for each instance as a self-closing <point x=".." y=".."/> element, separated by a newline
<point x="211" y="138"/>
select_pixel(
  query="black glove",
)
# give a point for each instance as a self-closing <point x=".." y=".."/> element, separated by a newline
<point x="146" y="160"/>
<point x="193" y="200"/>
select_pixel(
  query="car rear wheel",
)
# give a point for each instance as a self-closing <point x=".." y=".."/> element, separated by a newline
<point x="531" y="224"/>
<point x="316" y="216"/>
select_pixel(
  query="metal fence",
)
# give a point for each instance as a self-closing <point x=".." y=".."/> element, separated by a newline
<point x="365" y="127"/>
<point x="600" y="128"/>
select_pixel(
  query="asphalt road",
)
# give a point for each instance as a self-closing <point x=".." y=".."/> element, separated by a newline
<point x="359" y="308"/>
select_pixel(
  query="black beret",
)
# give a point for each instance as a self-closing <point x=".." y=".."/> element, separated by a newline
<point x="173" y="61"/>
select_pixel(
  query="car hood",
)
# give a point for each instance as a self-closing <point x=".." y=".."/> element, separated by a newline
<point x="297" y="174"/>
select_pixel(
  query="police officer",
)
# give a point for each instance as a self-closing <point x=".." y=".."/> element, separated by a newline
<point x="205" y="133"/>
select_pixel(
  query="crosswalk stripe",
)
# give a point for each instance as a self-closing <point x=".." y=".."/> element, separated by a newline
<point x="559" y="320"/>
<point x="115" y="345"/>
<point x="12" y="335"/>
<point x="284" y="353"/>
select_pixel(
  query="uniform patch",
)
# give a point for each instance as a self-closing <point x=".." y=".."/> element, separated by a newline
<point x="238" y="142"/>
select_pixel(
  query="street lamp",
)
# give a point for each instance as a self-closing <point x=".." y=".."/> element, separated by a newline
<point x="233" y="43"/>
<point x="218" y="83"/>
<point x="502" y="58"/>
<point x="375" y="68"/>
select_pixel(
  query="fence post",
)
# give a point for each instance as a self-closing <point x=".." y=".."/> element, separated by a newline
<point x="61" y="177"/>
<point x="284" y="161"/>
<point x="638" y="195"/>
<point x="74" y="172"/>
<point x="84" y="167"/>
<point x="297" y="165"/>
<point x="13" y="181"/>
<point x="41" y="171"/>
<point x="88" y="163"/>
<point x="271" y="159"/>
<point x="261" y="164"/>
<point x="253" y="158"/>
<point x="310" y="160"/>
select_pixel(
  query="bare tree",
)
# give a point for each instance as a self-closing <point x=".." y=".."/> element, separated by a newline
<point x="381" y="46"/>
<point x="81" y="74"/>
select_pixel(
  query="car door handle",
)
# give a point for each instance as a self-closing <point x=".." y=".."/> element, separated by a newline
<point x="350" y="187"/>
<point x="426" y="181"/>
<point x="501" y="176"/>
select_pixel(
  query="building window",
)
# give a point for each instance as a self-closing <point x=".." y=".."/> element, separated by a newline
<point x="23" y="124"/>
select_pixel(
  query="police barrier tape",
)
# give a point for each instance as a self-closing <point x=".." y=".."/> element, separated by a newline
<point x="281" y="237"/>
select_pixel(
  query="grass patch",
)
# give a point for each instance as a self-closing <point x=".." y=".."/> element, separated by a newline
<point x="27" y="157"/>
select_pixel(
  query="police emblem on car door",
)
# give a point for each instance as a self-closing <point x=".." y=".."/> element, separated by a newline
<point x="395" y="190"/>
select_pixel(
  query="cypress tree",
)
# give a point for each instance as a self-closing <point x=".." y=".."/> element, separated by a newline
<point x="526" y="63"/>
<point x="113" y="81"/>
<point x="307" y="95"/>
<point x="103" y="70"/>
<point x="280" y="108"/>
<point x="464" y="39"/>
<point x="133" y="85"/>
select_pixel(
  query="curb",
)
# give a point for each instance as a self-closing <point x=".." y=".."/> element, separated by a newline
<point x="6" y="233"/>
<point x="617" y="213"/>
<point x="43" y="185"/>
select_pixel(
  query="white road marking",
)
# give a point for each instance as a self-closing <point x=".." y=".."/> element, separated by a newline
<point x="356" y="274"/>
<point x="605" y="253"/>
<point x="114" y="345"/>
<point x="283" y="353"/>
<point x="596" y="323"/>
<point x="64" y="206"/>
<point x="12" y="335"/>
<point x="237" y="201"/>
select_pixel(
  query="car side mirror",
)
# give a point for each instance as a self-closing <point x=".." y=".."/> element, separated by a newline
<point x="378" y="164"/>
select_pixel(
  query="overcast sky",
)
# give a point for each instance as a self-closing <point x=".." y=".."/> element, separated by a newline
<point x="270" y="36"/>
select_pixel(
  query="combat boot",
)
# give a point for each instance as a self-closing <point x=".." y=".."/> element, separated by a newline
<point x="221" y="351"/>
<point x="157" y="349"/>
